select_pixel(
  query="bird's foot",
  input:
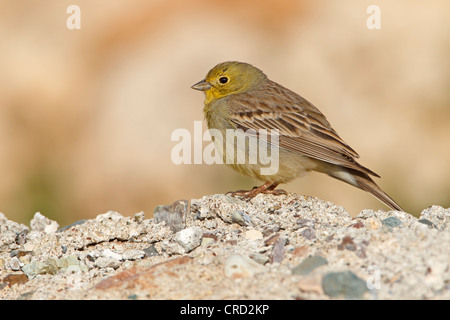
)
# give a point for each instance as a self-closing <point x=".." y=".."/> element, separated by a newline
<point x="266" y="188"/>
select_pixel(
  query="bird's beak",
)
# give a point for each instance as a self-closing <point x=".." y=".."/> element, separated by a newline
<point x="202" y="85"/>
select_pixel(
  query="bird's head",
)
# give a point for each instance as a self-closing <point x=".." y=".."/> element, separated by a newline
<point x="229" y="78"/>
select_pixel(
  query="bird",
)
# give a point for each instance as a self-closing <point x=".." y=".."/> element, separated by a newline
<point x="239" y="96"/>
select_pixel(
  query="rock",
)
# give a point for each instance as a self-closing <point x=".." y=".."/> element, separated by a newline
<point x="241" y="218"/>
<point x="210" y="224"/>
<point x="150" y="251"/>
<point x="259" y="258"/>
<point x="253" y="234"/>
<point x="107" y="262"/>
<point x="139" y="217"/>
<point x="343" y="284"/>
<point x="76" y="223"/>
<point x="278" y="250"/>
<point x="189" y="238"/>
<point x="308" y="234"/>
<point x="347" y="243"/>
<point x="439" y="216"/>
<point x="133" y="254"/>
<point x="427" y="222"/>
<point x="15" y="264"/>
<point x="11" y="233"/>
<point x="12" y="279"/>
<point x="174" y="215"/>
<point x="302" y="237"/>
<point x="52" y="265"/>
<point x="391" y="222"/>
<point x="49" y="266"/>
<point x="108" y="253"/>
<point x="238" y="266"/>
<point x="43" y="224"/>
<point x="309" y="264"/>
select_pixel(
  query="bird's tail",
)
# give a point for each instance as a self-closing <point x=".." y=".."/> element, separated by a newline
<point x="364" y="181"/>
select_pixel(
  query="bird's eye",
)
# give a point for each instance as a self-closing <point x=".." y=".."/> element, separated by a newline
<point x="223" y="80"/>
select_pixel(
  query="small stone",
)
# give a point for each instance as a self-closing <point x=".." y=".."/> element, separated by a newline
<point x="311" y="284"/>
<point x="309" y="264"/>
<point x="207" y="241"/>
<point x="343" y="284"/>
<point x="241" y="218"/>
<point x="111" y="254"/>
<point x="79" y="222"/>
<point x="347" y="243"/>
<point x="373" y="223"/>
<point x="151" y="251"/>
<point x="270" y="229"/>
<point x="21" y="237"/>
<point x="277" y="254"/>
<point x="174" y="215"/>
<point x="210" y="235"/>
<point x="139" y="217"/>
<point x="300" y="251"/>
<point x="189" y="238"/>
<point x="133" y="254"/>
<point x="210" y="224"/>
<point x="107" y="262"/>
<point x="15" y="264"/>
<point x="308" y="234"/>
<point x="428" y="223"/>
<point x="44" y="224"/>
<point x="259" y="257"/>
<point x="391" y="222"/>
<point x="12" y="279"/>
<point x="237" y="266"/>
<point x="358" y="225"/>
<point x="49" y="266"/>
<point x="67" y="261"/>
<point x="253" y="234"/>
<point x="272" y="239"/>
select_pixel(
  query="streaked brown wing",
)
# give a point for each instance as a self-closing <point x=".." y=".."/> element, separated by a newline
<point x="302" y="127"/>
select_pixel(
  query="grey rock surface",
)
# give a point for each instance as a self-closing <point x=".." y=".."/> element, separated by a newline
<point x="220" y="247"/>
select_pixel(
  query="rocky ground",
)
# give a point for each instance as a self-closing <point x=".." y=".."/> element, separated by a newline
<point x="219" y="247"/>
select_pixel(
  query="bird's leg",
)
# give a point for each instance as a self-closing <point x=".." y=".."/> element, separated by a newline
<point x="271" y="190"/>
<point x="267" y="188"/>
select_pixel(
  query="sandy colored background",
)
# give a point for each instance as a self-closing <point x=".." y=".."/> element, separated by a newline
<point x="86" y="115"/>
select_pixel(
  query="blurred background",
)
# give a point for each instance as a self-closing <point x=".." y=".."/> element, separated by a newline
<point x="86" y="116"/>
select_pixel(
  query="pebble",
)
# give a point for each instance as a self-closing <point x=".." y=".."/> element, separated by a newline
<point x="108" y="253"/>
<point x="241" y="218"/>
<point x="309" y="264"/>
<point x="151" y="251"/>
<point x="76" y="223"/>
<point x="308" y="234"/>
<point x="277" y="254"/>
<point x="133" y="254"/>
<point x="12" y="279"/>
<point x="253" y="234"/>
<point x="107" y="262"/>
<point x="15" y="264"/>
<point x="373" y="223"/>
<point x="410" y="263"/>
<point x="43" y="224"/>
<point x="189" y="238"/>
<point x="174" y="215"/>
<point x="238" y="266"/>
<point x="391" y="222"/>
<point x="52" y="265"/>
<point x="343" y="284"/>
